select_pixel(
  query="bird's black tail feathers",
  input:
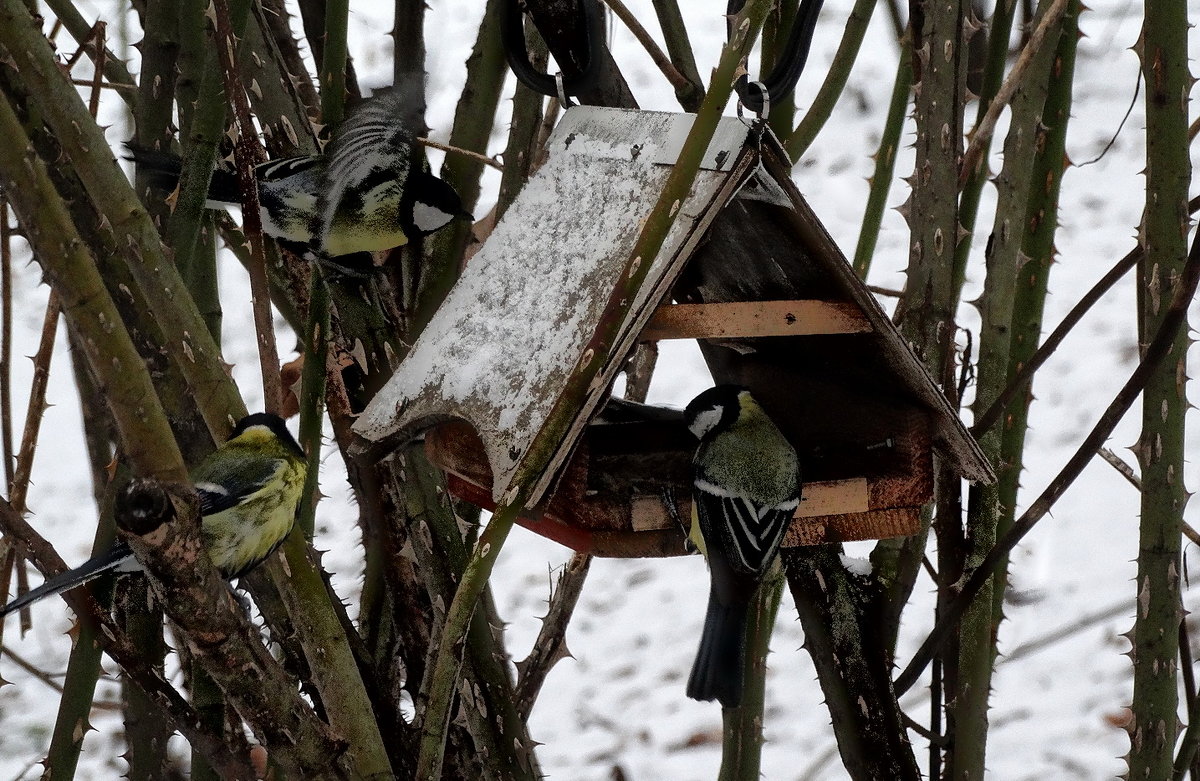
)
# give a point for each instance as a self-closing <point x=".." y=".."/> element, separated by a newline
<point x="118" y="557"/>
<point x="717" y="673"/>
<point x="163" y="169"/>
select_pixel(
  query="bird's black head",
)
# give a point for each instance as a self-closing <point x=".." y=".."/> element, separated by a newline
<point x="713" y="410"/>
<point x="276" y="426"/>
<point x="434" y="204"/>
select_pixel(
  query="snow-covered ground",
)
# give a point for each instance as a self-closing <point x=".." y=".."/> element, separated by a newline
<point x="619" y="701"/>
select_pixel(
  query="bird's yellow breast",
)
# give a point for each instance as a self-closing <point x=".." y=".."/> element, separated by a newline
<point x="244" y="535"/>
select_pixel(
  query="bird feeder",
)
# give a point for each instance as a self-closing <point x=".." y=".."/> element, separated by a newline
<point x="747" y="270"/>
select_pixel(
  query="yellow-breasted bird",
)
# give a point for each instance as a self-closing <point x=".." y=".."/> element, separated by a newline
<point x="372" y="190"/>
<point x="745" y="490"/>
<point x="249" y="490"/>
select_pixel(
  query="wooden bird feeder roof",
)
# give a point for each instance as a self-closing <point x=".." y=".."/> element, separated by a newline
<point x="746" y="268"/>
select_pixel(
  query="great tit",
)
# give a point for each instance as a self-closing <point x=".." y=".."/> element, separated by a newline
<point x="249" y="489"/>
<point x="745" y="490"/>
<point x="371" y="191"/>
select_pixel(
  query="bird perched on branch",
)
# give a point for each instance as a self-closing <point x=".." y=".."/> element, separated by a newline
<point x="746" y="488"/>
<point x="372" y="190"/>
<point x="249" y="490"/>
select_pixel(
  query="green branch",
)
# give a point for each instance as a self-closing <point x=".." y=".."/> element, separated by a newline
<point x="885" y="163"/>
<point x="148" y="443"/>
<point x="742" y="727"/>
<point x="198" y="356"/>
<point x="1160" y="447"/>
<point x="835" y="80"/>
<point x="447" y="662"/>
<point x="968" y="701"/>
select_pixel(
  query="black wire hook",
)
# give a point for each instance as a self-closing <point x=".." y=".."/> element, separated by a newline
<point x="512" y="35"/>
<point x="783" y="77"/>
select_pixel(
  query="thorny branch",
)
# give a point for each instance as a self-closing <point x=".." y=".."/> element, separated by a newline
<point x="982" y="133"/>
<point x="551" y="644"/>
<point x="1155" y="353"/>
<point x="248" y="153"/>
<point x="1056" y="337"/>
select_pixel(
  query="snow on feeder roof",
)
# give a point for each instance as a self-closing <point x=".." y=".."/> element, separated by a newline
<point x="759" y="282"/>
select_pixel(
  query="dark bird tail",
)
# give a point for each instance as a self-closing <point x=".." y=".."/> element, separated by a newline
<point x="717" y="673"/>
<point x="118" y="557"/>
<point x="162" y="169"/>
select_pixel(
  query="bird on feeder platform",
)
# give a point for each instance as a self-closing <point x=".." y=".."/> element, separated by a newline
<point x="372" y="190"/>
<point x="745" y="490"/>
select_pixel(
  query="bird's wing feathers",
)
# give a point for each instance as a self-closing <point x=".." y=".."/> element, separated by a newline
<point x="273" y="170"/>
<point x="373" y="145"/>
<point x="231" y="480"/>
<point x="746" y="531"/>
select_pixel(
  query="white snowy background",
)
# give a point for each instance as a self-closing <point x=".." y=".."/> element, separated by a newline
<point x="619" y="701"/>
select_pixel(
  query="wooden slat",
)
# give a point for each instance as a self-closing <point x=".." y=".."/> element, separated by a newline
<point x="754" y="318"/>
<point x="832" y="497"/>
<point x="873" y="525"/>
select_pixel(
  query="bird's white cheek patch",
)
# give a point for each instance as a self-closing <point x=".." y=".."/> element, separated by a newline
<point x="429" y="218"/>
<point x="705" y="421"/>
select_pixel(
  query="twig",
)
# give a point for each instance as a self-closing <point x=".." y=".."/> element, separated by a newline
<point x="818" y="764"/>
<point x="493" y="162"/>
<point x="1187" y="762"/>
<point x="105" y="85"/>
<point x="919" y="728"/>
<point x="551" y="646"/>
<point x="334" y="61"/>
<point x="111" y="65"/>
<point x="40" y="674"/>
<point x="982" y="133"/>
<point x="836" y="77"/>
<point x="675" y="34"/>
<point x="37" y="405"/>
<point x="19" y="487"/>
<point x="8" y="553"/>
<point x="96" y="42"/>
<point x="247" y="153"/>
<point x="1121" y="466"/>
<point x="1164" y="339"/>
<point x="989" y="418"/>
<point x="6" y="319"/>
<point x="1185" y="759"/>
<point x="1127" y="471"/>
<point x="885" y="167"/>
<point x="680" y="82"/>
<point x="48" y="678"/>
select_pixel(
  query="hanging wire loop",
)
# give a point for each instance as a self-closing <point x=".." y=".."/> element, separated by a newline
<point x="783" y="77"/>
<point x="512" y="34"/>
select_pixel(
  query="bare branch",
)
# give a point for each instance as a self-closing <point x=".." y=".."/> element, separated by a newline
<point x="1157" y="350"/>
<point x="982" y="133"/>
<point x="551" y="645"/>
<point x="680" y="82"/>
